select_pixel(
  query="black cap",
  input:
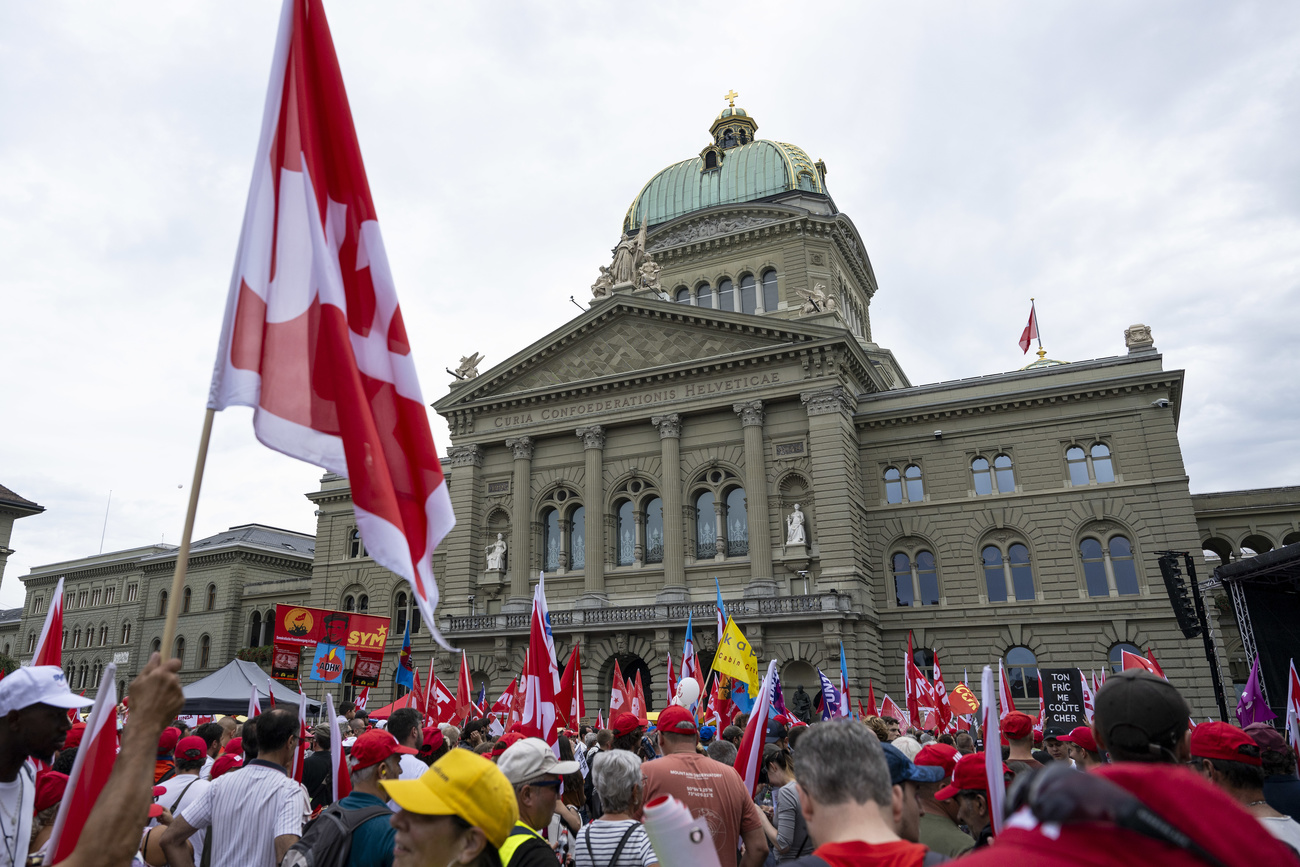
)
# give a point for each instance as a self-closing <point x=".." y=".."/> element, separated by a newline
<point x="776" y="731"/>
<point x="1140" y="714"/>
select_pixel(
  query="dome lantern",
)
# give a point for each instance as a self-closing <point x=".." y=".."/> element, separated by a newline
<point x="733" y="127"/>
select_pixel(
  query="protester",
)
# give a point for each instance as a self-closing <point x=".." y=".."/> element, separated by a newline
<point x="722" y="751"/>
<point x="186" y="786"/>
<point x="346" y="712"/>
<point x="474" y="733"/>
<point x="904" y="776"/>
<point x="1230" y="759"/>
<point x="213" y="735"/>
<point x="535" y="774"/>
<point x="1018" y="728"/>
<point x="603" y="742"/>
<point x="164" y="763"/>
<point x="879" y="728"/>
<point x="616" y="839"/>
<point x="847" y="800"/>
<point x="225" y="763"/>
<point x="965" y="743"/>
<point x="733" y="735"/>
<point x="404" y="725"/>
<point x="705" y="788"/>
<point x="707" y="734"/>
<point x="1054" y="746"/>
<point x="796" y="732"/>
<point x="628" y="730"/>
<point x="373" y="759"/>
<point x="317" y="769"/>
<point x="938" y="827"/>
<point x="1139" y="717"/>
<point x="1281" y="786"/>
<point x="255" y="815"/>
<point x="907" y="745"/>
<point x="460" y="811"/>
<point x="970" y="787"/>
<point x="450" y="734"/>
<point x="1081" y="747"/>
<point x="574" y="795"/>
<point x="64" y="759"/>
<point x="894" y="728"/>
<point x="787" y="834"/>
<point x="432" y="746"/>
<point x="778" y="734"/>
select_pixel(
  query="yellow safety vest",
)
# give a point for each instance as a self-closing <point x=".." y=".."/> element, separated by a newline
<point x="519" y="835"/>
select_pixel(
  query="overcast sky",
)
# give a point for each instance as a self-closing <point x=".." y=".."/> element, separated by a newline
<point x="1121" y="162"/>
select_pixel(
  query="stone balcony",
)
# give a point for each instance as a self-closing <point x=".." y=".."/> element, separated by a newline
<point x="816" y="606"/>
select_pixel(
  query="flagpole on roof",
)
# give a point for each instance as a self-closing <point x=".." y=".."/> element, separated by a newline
<point x="1038" y="331"/>
<point x="183" y="554"/>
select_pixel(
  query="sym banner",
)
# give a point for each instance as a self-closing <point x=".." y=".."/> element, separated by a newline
<point x="1062" y="699"/>
<point x="297" y="624"/>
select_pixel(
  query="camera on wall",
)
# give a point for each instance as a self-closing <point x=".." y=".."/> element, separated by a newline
<point x="471" y="602"/>
<point x="1162" y="403"/>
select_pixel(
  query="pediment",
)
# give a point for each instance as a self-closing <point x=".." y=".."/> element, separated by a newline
<point x="629" y="335"/>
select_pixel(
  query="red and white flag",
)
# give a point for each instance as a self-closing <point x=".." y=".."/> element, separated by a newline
<point x="90" y="770"/>
<point x="1030" y="333"/>
<point x="1155" y="666"/>
<point x="1088" y="700"/>
<point x="339" y="774"/>
<point x="362" y="698"/>
<point x="671" y="683"/>
<point x="1042" y="708"/>
<point x="1004" y="693"/>
<point x="600" y="719"/>
<point x="444" y="706"/>
<point x="506" y="702"/>
<point x="618" y="698"/>
<point x="313" y="337"/>
<point x="1292" y="716"/>
<point x="917" y="689"/>
<point x="541" y="674"/>
<point x="997" y="783"/>
<point x="941" y="699"/>
<point x="749" y="758"/>
<point x="300" y="755"/>
<point x="464" y="691"/>
<point x="1132" y="660"/>
<point x="889" y="709"/>
<point x="49" y="644"/>
<point x="639" y="707"/>
<point x="572" y="703"/>
<point x="254" y="705"/>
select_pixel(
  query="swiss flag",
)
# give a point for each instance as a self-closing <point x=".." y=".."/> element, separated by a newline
<point x="342" y="779"/>
<point x="1031" y="330"/>
<point x="1132" y="660"/>
<point x="313" y="337"/>
<point x="618" y="697"/>
<point x="541" y="675"/>
<point x="254" y="705"/>
<point x="49" y="645"/>
<point x="571" y="700"/>
<point x="90" y="770"/>
<point x="464" y="691"/>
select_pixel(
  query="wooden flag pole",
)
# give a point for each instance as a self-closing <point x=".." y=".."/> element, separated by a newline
<point x="183" y="555"/>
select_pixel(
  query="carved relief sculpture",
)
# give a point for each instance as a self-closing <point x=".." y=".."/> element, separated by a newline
<point x="604" y="285"/>
<point x="496" y="555"/>
<point x="794" y="529"/>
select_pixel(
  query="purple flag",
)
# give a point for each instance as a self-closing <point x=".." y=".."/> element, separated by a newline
<point x="1251" y="707"/>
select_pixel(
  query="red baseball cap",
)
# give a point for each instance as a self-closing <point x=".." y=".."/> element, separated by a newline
<point x="507" y="740"/>
<point x="234" y="747"/>
<point x="374" y="747"/>
<point x="167" y="740"/>
<point x="1220" y="740"/>
<point x="191" y="748"/>
<point x="676" y="720"/>
<point x="49" y="789"/>
<point x="968" y="774"/>
<point x="626" y="723"/>
<point x="227" y="762"/>
<point x="938" y="756"/>
<point x="433" y="741"/>
<point x="75" y="734"/>
<point x="1081" y="737"/>
<point x="1017" y="725"/>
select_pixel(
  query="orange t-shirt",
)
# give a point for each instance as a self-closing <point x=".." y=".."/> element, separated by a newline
<point x="711" y="791"/>
<point x="161" y="767"/>
<point x="856" y="853"/>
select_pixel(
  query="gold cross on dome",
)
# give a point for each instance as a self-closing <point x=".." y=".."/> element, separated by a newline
<point x="730" y="96"/>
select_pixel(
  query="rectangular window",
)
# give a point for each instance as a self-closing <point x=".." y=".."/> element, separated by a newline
<point x="81" y="599"/>
<point x="110" y="593"/>
<point x="37" y="604"/>
<point x="131" y="590"/>
<point x="94" y="597"/>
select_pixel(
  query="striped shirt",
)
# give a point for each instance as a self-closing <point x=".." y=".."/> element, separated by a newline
<point x="246" y="811"/>
<point x="604" y="836"/>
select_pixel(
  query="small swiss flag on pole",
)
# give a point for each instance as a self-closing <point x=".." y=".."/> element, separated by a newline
<point x="1030" y="333"/>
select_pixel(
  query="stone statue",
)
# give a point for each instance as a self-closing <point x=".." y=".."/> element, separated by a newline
<point x="814" y="299"/>
<point x="794" y="531"/>
<point x="650" y="275"/>
<point x="468" y="368"/>
<point x="604" y="285"/>
<point x="802" y="705"/>
<point x="496" y="554"/>
<point x="629" y="255"/>
<point x="832" y="303"/>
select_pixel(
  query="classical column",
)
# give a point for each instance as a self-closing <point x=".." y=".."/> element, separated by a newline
<point x="761" y="582"/>
<point x="593" y="443"/>
<point x="463" y="464"/>
<point x="521" y="517"/>
<point x="670" y="439"/>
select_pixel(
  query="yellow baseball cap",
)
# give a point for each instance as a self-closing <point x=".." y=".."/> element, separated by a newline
<point x="463" y="784"/>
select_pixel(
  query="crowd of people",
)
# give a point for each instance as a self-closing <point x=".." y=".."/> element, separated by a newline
<point x="1140" y="785"/>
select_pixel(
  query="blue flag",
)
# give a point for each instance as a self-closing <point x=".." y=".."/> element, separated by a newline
<point x="405" y="668"/>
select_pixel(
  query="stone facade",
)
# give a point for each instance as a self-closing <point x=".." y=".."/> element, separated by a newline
<point x="12" y="507"/>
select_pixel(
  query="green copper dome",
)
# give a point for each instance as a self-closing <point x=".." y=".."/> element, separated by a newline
<point x="742" y="173"/>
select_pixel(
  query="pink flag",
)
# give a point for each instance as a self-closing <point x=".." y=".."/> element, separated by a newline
<point x="542" y="675"/>
<point x="90" y="770"/>
<point x="1031" y="330"/>
<point x="748" y="759"/>
<point x="313" y="337"/>
<point x="342" y="780"/>
<point x="49" y="644"/>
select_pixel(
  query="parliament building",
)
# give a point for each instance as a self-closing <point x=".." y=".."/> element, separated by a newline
<point x="723" y="416"/>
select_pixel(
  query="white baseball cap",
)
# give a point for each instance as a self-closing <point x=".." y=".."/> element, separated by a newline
<point x="530" y="759"/>
<point x="38" y="684"/>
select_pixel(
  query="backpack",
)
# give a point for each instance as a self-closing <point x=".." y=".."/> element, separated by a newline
<point x="327" y="841"/>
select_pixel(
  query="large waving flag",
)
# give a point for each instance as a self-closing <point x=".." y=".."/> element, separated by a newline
<point x="49" y="644"/>
<point x="1251" y="707"/>
<point x="313" y="337"/>
<point x="997" y="784"/>
<point x="541" y="675"/>
<point x="572" y="703"/>
<point x="341" y="780"/>
<point x="464" y="691"/>
<point x="735" y="658"/>
<point x="889" y="709"/>
<point x="941" y="698"/>
<point x="90" y="770"/>
<point x="618" y="697"/>
<point x="749" y="758"/>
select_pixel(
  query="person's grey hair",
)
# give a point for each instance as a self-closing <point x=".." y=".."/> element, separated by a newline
<point x="368" y="773"/>
<point x="616" y="773"/>
<point x="841" y="761"/>
<point x="722" y="751"/>
<point x="589" y="739"/>
<point x="450" y="733"/>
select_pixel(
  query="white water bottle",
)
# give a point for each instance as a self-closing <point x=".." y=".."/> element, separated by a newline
<point x="679" y="839"/>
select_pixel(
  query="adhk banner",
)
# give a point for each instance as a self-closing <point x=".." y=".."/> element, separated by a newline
<point x="296" y="624"/>
<point x="1062" y="699"/>
<point x="328" y="664"/>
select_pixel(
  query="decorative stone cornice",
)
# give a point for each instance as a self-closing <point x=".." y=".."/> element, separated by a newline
<point x="593" y="436"/>
<point x="669" y="425"/>
<point x="522" y="447"/>
<point x="465" y="456"/>
<point x="827" y="400"/>
<point x="750" y="412"/>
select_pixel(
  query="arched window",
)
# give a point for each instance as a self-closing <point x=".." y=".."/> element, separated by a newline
<point x="85" y="673"/>
<point x="703" y="295"/>
<point x="356" y="548"/>
<point x="551" y="540"/>
<point x="1022" y="573"/>
<point x="726" y="295"/>
<point x="1092" y="467"/>
<point x="399" y="614"/>
<point x="578" y="538"/>
<point x="1094" y="567"/>
<point x="748" y="294"/>
<point x="711" y="160"/>
<point x="924" y="659"/>
<point x="1116" y="655"/>
<point x="180" y="649"/>
<point x="1006" y="477"/>
<point x="893" y="485"/>
<point x="65" y="641"/>
<point x="904" y="593"/>
<point x="1122" y="566"/>
<point x="126" y="633"/>
<point x="205" y="651"/>
<point x="103" y="635"/>
<point x="769" y="291"/>
<point x="915" y="490"/>
<point x="625" y="530"/>
<point x="162" y="603"/>
<point x="706" y="526"/>
<point x="31" y="641"/>
<point x="363" y="603"/>
<point x="185" y="600"/>
<point x="1109" y="570"/>
<point x="982" y="476"/>
<point x="654" y="531"/>
<point x="997" y="479"/>
<point x="1022" y="675"/>
<point x="156" y="646"/>
<point x="737" y="524"/>
<point x="904" y="487"/>
<point x="212" y="597"/>
<point x="349" y="603"/>
<point x="1008" y="575"/>
<point x="76" y="638"/>
<point x="1102" y="470"/>
<point x="916" y="579"/>
<point x="254" y="630"/>
<point x="96" y="673"/>
<point x="683" y="295"/>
